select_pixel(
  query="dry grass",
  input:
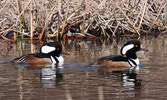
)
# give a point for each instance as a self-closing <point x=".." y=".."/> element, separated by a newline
<point x="94" y="18"/>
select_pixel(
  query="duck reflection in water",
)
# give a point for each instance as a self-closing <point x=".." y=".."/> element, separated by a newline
<point x="50" y="75"/>
<point x="129" y="81"/>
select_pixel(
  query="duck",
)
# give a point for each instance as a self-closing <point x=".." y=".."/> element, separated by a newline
<point x="126" y="59"/>
<point x="49" y="53"/>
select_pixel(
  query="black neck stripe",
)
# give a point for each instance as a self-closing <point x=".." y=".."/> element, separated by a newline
<point x="132" y="62"/>
<point x="57" y="61"/>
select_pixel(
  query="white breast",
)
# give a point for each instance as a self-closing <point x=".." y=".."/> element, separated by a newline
<point x="135" y="60"/>
<point x="61" y="60"/>
<point x="53" y="60"/>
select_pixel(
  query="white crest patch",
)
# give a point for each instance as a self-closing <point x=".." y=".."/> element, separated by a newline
<point x="126" y="48"/>
<point x="47" y="49"/>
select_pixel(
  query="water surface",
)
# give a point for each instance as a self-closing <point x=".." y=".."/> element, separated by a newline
<point x="76" y="80"/>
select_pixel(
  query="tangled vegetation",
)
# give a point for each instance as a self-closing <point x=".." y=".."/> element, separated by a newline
<point x="81" y="18"/>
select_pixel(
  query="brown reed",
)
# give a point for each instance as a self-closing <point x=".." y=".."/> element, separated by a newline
<point x="86" y="18"/>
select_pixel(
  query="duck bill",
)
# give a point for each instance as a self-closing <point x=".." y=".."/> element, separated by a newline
<point x="65" y="53"/>
<point x="143" y="49"/>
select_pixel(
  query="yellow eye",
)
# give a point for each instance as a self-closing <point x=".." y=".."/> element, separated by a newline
<point x="57" y="48"/>
<point x="136" y="46"/>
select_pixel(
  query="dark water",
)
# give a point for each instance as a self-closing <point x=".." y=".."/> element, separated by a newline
<point x="75" y="80"/>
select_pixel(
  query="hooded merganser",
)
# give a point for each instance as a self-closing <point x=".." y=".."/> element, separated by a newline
<point x="49" y="53"/>
<point x="127" y="58"/>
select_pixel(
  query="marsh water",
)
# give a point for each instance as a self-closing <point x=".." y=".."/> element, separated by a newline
<point x="76" y="80"/>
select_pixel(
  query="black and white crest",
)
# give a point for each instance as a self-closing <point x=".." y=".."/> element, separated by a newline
<point x="131" y="46"/>
<point x="52" y="48"/>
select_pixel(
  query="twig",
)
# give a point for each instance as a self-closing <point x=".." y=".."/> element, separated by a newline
<point x="65" y="20"/>
<point x="31" y="23"/>
<point x="116" y="29"/>
<point x="126" y="18"/>
<point x="162" y="6"/>
<point x="144" y="9"/>
<point x="6" y="39"/>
